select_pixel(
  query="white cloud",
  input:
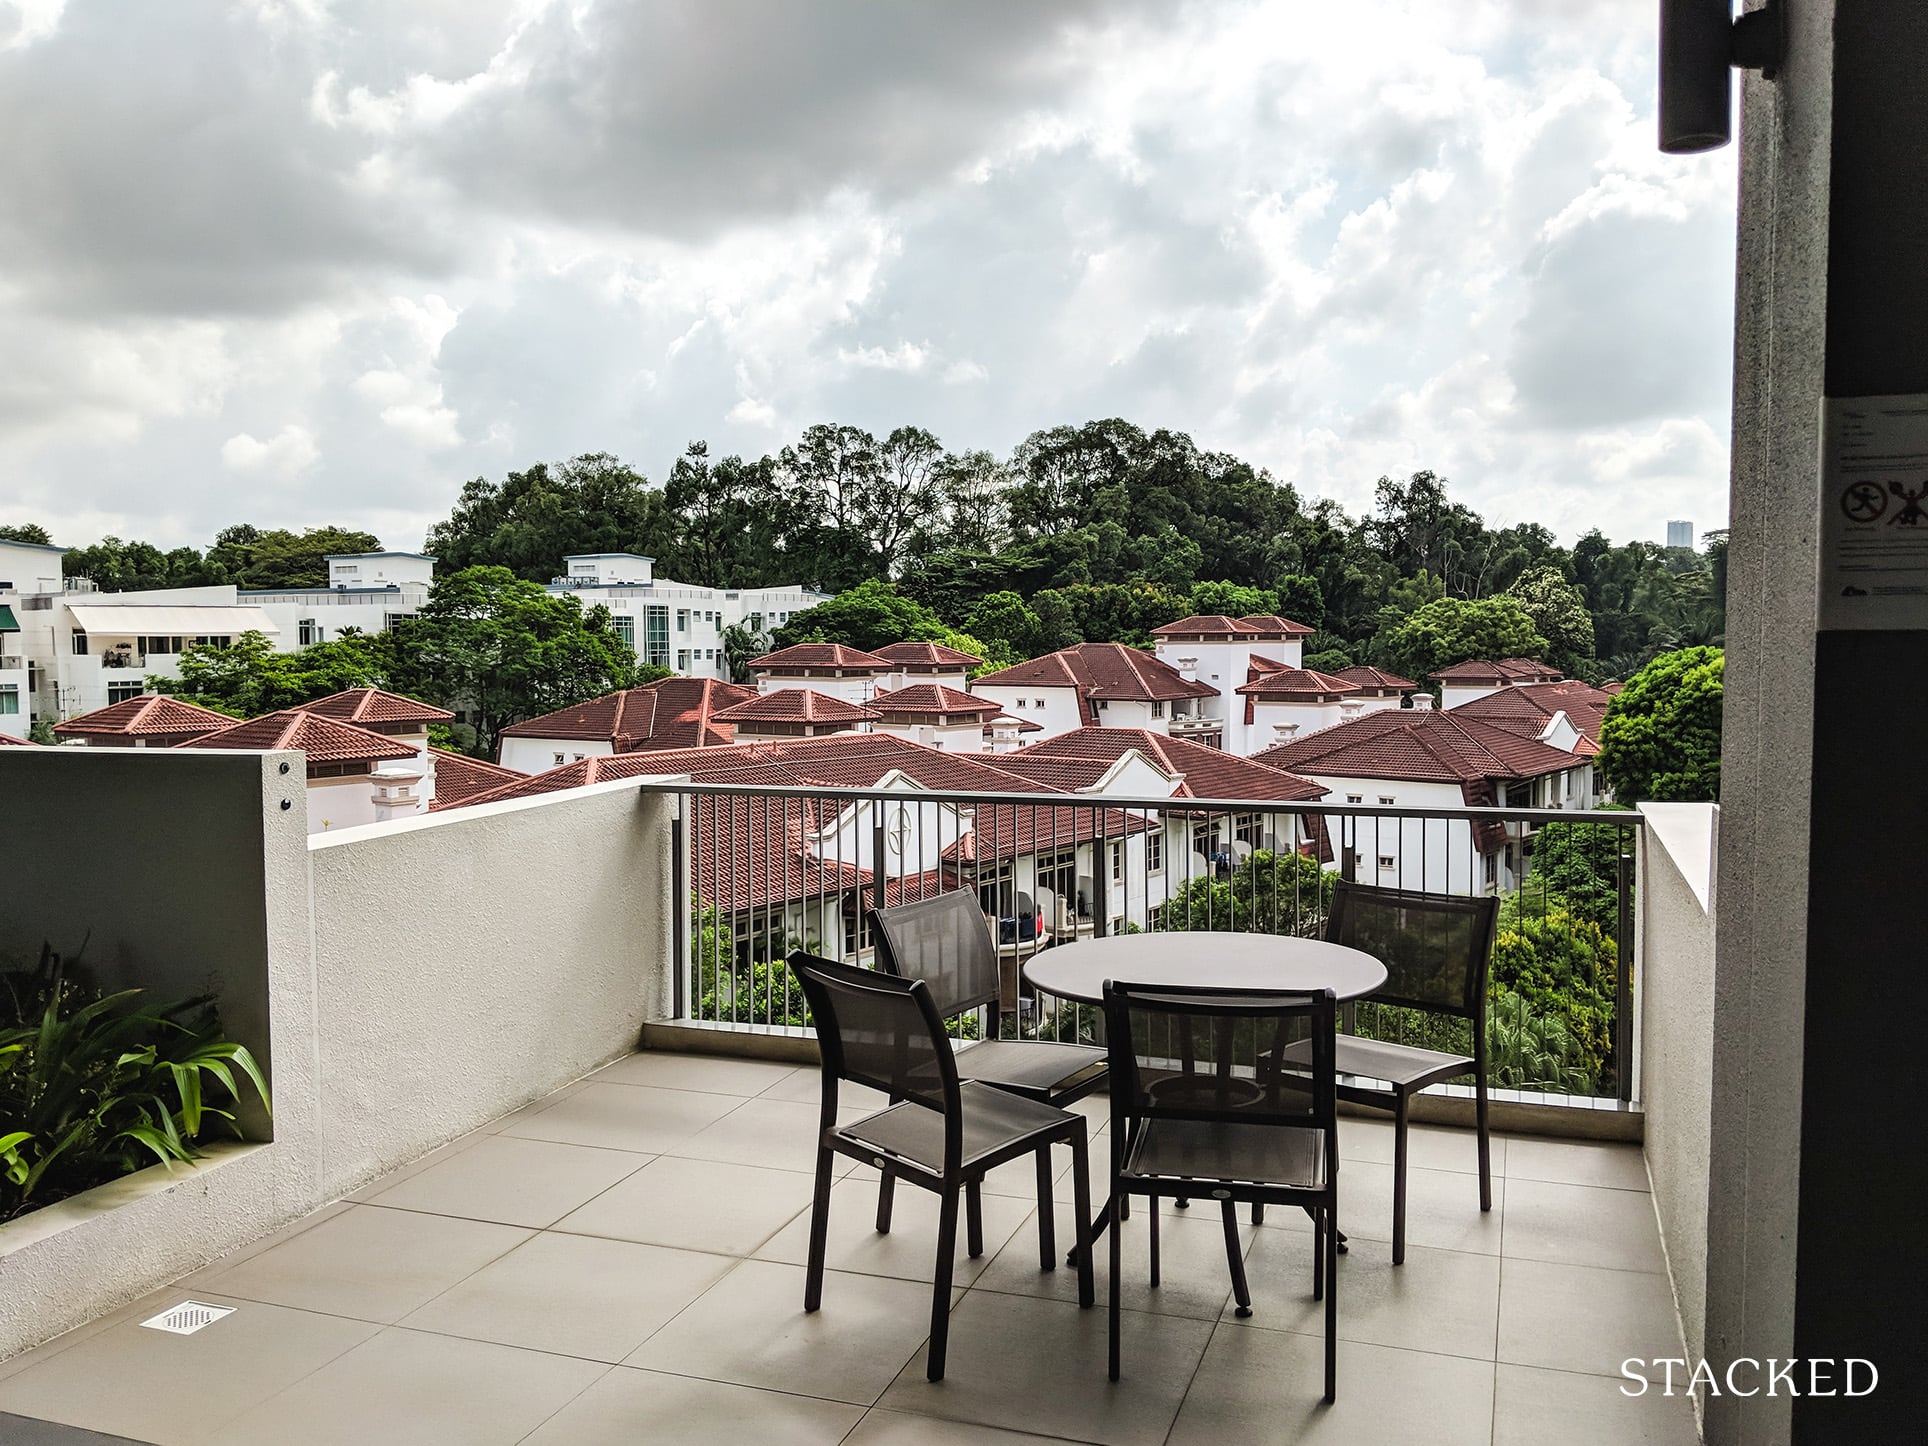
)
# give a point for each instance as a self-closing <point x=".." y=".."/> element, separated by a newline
<point x="287" y="453"/>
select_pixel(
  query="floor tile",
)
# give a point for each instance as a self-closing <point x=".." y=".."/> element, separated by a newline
<point x="897" y="1428"/>
<point x="1442" y="1208"/>
<point x="778" y="1133"/>
<point x="1265" y="1387"/>
<point x="129" y="1380"/>
<point x="695" y="1205"/>
<point x="1446" y="1301"/>
<point x="750" y="1329"/>
<point x="24" y="1431"/>
<point x="369" y="1263"/>
<point x="909" y="1251"/>
<point x="1039" y="1365"/>
<point x="639" y="1118"/>
<point x="1195" y="1279"/>
<point x="575" y="1295"/>
<point x="512" y="1181"/>
<point x="629" y="1406"/>
<point x="392" y="1178"/>
<point x="712" y="1073"/>
<point x="1533" y="1407"/>
<point x="265" y="1243"/>
<point x="1581" y="1225"/>
<point x="1583" y="1318"/>
<point x="534" y="1107"/>
<point x="806" y="1086"/>
<point x="1578" y="1162"/>
<point x="424" y="1390"/>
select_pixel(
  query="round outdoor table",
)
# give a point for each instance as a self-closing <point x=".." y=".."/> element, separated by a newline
<point x="1206" y="960"/>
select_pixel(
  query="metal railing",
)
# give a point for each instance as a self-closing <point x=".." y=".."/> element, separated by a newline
<point x="771" y="869"/>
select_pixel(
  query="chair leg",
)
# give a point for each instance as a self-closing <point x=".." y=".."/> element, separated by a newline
<point x="941" y="1287"/>
<point x="1235" y="1258"/>
<point x="973" y="1221"/>
<point x="1485" y="1146"/>
<point x="1258" y="1212"/>
<point x="1318" y="1253"/>
<point x="1152" y="1212"/>
<point x="819" y="1232"/>
<point x="1117" y="1287"/>
<point x="1047" y="1212"/>
<point x="886" y="1197"/>
<point x="1081" y="1205"/>
<point x="1332" y="1302"/>
<point x="1399" y="1180"/>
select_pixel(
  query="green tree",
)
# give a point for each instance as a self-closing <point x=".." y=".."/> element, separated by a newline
<point x="279" y="558"/>
<point x="1576" y="867"/>
<point x="1457" y="630"/>
<point x="1564" y="967"/>
<point x="531" y="520"/>
<point x="249" y="678"/>
<point x="505" y="649"/>
<point x="1267" y="893"/>
<point x="113" y="565"/>
<point x="1006" y="620"/>
<point x="1660" y="741"/>
<point x="25" y="532"/>
<point x="873" y="614"/>
<point x="1301" y="600"/>
<point x="1231" y="599"/>
<point x="727" y="520"/>
<point x="1559" y="614"/>
<point x="741" y="646"/>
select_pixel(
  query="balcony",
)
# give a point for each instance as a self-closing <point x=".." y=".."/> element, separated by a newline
<point x="479" y="1214"/>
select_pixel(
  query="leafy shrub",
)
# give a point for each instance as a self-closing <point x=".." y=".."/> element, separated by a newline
<point x="1562" y="967"/>
<point x="95" y="1086"/>
<point x="1575" y="866"/>
<point x="1531" y="1049"/>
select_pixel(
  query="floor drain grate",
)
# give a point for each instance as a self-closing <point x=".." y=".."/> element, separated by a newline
<point x="188" y="1317"/>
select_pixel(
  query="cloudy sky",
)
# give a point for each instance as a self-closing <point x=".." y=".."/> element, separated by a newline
<point x="320" y="261"/>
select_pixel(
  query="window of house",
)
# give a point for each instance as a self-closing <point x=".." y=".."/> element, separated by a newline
<point x="1385" y="861"/>
<point x="1492" y="870"/>
<point x="560" y="760"/>
<point x="1155" y="851"/>
<point x="121" y="692"/>
<point x="392" y="621"/>
<point x="1202" y="836"/>
<point x="308" y="630"/>
<point x="656" y="637"/>
<point x="1117" y="863"/>
<point x="1385" y="801"/>
<point x="212" y="640"/>
<point x="1246" y="828"/>
<point x="682" y="659"/>
<point x="1103" y="703"/>
<point x="80" y="643"/>
<point x="1355" y="798"/>
<point x="682" y="620"/>
<point x="9" y="697"/>
<point x="580" y="757"/>
<point x="1158" y="708"/>
<point x="626" y="630"/>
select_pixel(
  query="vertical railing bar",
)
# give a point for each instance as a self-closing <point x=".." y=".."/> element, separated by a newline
<point x="1623" y="973"/>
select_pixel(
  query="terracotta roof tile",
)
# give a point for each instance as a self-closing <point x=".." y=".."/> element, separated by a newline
<point x="933" y="698"/>
<point x="1204" y="625"/>
<point x="821" y="655"/>
<point x="925" y="658"/>
<point x="7" y="740"/>
<point x="794" y="705"/>
<point x="1271" y="625"/>
<point x="1506" y="670"/>
<point x="1421" y="745"/>
<point x="366" y="706"/>
<point x="459" y="778"/>
<point x="1303" y="684"/>
<point x="668" y="713"/>
<point x="1532" y="706"/>
<point x="153" y="715"/>
<point x="1086" y="753"/>
<point x="324" y="740"/>
<point x="1376" y="678"/>
<point x="1102" y="670"/>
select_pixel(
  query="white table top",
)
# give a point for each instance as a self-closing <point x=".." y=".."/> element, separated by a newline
<point x="1208" y="960"/>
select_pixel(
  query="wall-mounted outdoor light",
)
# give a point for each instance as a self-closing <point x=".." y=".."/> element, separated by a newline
<point x="1700" y="41"/>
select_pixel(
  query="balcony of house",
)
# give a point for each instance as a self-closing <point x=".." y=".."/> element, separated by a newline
<point x="540" y="1164"/>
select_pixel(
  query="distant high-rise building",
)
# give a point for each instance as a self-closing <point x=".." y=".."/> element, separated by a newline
<point x="1680" y="534"/>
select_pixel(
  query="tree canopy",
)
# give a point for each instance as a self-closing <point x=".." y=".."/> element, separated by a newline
<point x="1452" y="630"/>
<point x="249" y="678"/>
<point x="24" y="532"/>
<point x="1660" y="740"/>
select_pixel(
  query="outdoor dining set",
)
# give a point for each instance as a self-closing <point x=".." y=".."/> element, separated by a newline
<point x="1223" y="1056"/>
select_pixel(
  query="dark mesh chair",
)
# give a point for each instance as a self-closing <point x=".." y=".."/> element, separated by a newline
<point x="941" y="1134"/>
<point x="946" y="941"/>
<point x="1437" y="949"/>
<point x="1189" y="1120"/>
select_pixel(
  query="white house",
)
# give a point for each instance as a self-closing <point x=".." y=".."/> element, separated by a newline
<point x="1464" y="682"/>
<point x="1565" y="715"/>
<point x="930" y="663"/>
<point x="1225" y="653"/>
<point x="368" y="591"/>
<point x="668" y="713"/>
<point x="1421" y="758"/>
<point x="1106" y="685"/>
<point x="795" y="713"/>
<point x="1281" y="703"/>
<point x="936" y="716"/>
<point x="152" y="720"/>
<point x="354" y="776"/>
<point x="831" y="668"/>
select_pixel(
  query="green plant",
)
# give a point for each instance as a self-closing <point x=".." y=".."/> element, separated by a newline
<point x="94" y="1086"/>
<point x="1531" y="1049"/>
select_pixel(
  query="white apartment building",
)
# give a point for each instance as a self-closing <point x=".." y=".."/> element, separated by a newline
<point x="677" y="625"/>
<point x="1106" y="685"/>
<point x="1225" y="654"/>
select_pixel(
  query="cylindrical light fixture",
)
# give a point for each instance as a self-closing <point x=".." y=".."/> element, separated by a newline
<point x="1696" y="99"/>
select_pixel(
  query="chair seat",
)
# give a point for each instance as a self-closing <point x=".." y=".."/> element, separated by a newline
<point x="995" y="1122"/>
<point x="1402" y="1066"/>
<point x="1033" y="1066"/>
<point x="1215" y="1150"/>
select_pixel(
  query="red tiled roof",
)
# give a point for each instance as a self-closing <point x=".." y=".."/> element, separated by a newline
<point x="1086" y="753"/>
<point x="821" y="655"/>
<point x="925" y="658"/>
<point x="459" y="778"/>
<point x="1204" y="625"/>
<point x="669" y="713"/>
<point x="1612" y="686"/>
<point x="153" y="715"/>
<point x="1271" y="625"/>
<point x="934" y="698"/>
<point x="324" y="740"/>
<point x="1419" y="745"/>
<point x="1527" y="708"/>
<point x="794" y="705"/>
<point x="1101" y="670"/>
<point x="1300" y="683"/>
<point x="1378" y="678"/>
<point x="1506" y="670"/>
<point x="7" y="740"/>
<point x="367" y="706"/>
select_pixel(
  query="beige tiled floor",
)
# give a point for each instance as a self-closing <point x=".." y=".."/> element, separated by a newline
<point x="622" y="1262"/>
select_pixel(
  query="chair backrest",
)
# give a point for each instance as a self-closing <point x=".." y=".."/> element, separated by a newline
<point x="1436" y="947"/>
<point x="945" y="941"/>
<point x="1211" y="1054"/>
<point x="879" y="1030"/>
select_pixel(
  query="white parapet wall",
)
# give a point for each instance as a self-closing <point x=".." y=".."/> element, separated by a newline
<point x="1674" y="984"/>
<point x="403" y="983"/>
